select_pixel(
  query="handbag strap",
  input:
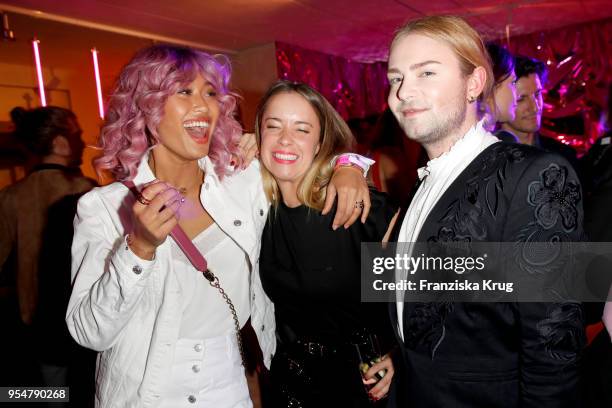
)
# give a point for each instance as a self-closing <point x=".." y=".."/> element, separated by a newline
<point x="199" y="262"/>
<point x="180" y="237"/>
<point x="190" y="250"/>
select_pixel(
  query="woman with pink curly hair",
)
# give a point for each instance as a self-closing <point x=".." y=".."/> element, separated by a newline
<point x="168" y="336"/>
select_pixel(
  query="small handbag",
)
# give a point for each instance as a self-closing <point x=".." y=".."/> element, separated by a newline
<point x="199" y="262"/>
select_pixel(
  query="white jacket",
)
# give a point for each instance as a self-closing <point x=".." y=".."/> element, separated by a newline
<point x="128" y="309"/>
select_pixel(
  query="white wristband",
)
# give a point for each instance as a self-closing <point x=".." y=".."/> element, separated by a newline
<point x="362" y="162"/>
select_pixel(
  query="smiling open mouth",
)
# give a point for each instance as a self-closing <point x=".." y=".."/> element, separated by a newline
<point x="197" y="129"/>
<point x="284" y="157"/>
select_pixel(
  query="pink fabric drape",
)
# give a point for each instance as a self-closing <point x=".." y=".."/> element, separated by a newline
<point x="355" y="89"/>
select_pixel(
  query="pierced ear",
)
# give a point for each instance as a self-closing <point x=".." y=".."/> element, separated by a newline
<point x="476" y="83"/>
<point x="61" y="146"/>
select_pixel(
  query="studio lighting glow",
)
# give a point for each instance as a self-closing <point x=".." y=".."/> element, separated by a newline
<point x="41" y="83"/>
<point x="94" y="55"/>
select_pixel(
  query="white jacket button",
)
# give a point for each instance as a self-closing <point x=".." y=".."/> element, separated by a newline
<point x="195" y="368"/>
<point x="197" y="347"/>
<point x="191" y="399"/>
<point x="137" y="269"/>
<point x="237" y="223"/>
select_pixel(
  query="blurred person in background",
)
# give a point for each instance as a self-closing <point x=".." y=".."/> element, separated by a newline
<point x="36" y="231"/>
<point x="501" y="108"/>
<point x="531" y="77"/>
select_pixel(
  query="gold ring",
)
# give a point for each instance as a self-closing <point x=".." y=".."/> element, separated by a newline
<point x="143" y="200"/>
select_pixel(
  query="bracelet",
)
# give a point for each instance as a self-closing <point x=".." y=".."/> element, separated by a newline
<point x="353" y="160"/>
<point x="129" y="243"/>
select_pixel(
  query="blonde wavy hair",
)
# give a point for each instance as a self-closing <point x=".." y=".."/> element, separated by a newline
<point x="335" y="138"/>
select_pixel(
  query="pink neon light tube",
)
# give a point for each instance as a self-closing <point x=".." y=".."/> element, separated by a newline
<point x="41" y="83"/>
<point x="94" y="54"/>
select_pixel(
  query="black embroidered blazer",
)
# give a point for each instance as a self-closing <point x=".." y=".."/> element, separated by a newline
<point x="497" y="354"/>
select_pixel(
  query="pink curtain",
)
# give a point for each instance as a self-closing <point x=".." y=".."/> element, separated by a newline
<point x="355" y="89"/>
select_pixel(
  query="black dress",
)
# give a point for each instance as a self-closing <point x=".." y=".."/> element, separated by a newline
<point x="312" y="274"/>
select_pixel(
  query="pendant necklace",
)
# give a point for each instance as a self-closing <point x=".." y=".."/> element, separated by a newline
<point x="182" y="190"/>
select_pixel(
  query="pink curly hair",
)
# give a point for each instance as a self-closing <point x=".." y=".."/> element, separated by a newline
<point x="136" y="107"/>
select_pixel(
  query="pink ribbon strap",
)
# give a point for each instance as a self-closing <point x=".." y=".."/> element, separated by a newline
<point x="191" y="252"/>
<point x="182" y="240"/>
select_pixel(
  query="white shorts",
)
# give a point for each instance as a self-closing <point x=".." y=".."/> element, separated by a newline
<point x="207" y="373"/>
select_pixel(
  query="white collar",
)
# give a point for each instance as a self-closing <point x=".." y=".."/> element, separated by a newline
<point x="459" y="150"/>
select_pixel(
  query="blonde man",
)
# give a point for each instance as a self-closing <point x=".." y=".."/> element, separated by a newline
<point x="476" y="189"/>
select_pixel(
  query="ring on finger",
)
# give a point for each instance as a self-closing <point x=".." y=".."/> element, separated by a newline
<point x="359" y="204"/>
<point x="143" y="200"/>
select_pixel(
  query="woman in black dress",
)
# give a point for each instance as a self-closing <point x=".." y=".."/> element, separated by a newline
<point x="311" y="272"/>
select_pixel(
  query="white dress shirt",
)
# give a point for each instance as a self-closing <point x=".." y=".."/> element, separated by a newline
<point x="436" y="177"/>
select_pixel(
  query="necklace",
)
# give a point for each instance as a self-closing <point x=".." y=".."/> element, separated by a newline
<point x="181" y="189"/>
